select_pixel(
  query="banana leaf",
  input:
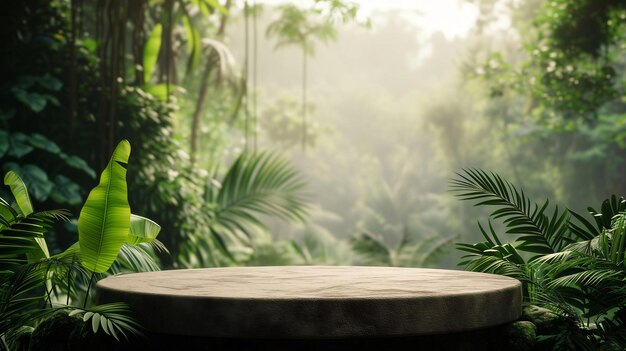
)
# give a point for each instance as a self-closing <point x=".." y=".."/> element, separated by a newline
<point x="142" y="230"/>
<point x="104" y="220"/>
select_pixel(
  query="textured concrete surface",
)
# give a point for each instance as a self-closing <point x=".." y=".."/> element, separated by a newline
<point x="314" y="302"/>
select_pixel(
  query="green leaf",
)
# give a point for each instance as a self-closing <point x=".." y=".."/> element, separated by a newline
<point x="7" y="213"/>
<point x="142" y="230"/>
<point x="104" y="220"/>
<point x="113" y="316"/>
<point x="87" y="315"/>
<point x="41" y="142"/>
<point x="35" y="101"/>
<point x="371" y="249"/>
<point x="65" y="191"/>
<point x="90" y="44"/>
<point x="78" y="163"/>
<point x="19" y="191"/>
<point x="35" y="179"/>
<point x="95" y="322"/>
<point x="257" y="184"/>
<point x="19" y="145"/>
<point x="49" y="82"/>
<point x="541" y="234"/>
<point x="151" y="52"/>
<point x="104" y="324"/>
<point x="75" y="312"/>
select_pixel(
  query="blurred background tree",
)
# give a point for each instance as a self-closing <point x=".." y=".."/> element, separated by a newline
<point x="387" y="113"/>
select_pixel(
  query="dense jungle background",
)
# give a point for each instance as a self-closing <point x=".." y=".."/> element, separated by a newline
<point x="386" y="114"/>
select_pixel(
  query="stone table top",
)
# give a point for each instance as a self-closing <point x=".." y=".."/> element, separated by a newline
<point x="314" y="301"/>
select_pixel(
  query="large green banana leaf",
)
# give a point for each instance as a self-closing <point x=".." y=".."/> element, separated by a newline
<point x="142" y="230"/>
<point x="20" y="193"/>
<point x="104" y="220"/>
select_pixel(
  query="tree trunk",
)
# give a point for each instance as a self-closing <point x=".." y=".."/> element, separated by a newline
<point x="204" y="87"/>
<point x="195" y="124"/>
<point x="304" y="83"/>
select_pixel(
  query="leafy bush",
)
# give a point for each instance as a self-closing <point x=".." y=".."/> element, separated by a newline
<point x="33" y="282"/>
<point x="566" y="263"/>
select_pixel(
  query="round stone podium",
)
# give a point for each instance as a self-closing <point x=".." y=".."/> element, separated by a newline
<point x="315" y="302"/>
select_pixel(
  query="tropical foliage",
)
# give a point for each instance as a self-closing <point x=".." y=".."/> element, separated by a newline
<point x="255" y="185"/>
<point x="566" y="263"/>
<point x="561" y="88"/>
<point x="35" y="284"/>
<point x="392" y="230"/>
<point x="180" y="80"/>
<point x="409" y="252"/>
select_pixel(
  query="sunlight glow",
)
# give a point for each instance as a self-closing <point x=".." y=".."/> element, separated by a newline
<point x="453" y="18"/>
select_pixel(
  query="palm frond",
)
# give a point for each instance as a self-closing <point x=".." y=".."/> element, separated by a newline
<point x="609" y="209"/>
<point x="614" y="241"/>
<point x="372" y="249"/>
<point x="555" y="301"/>
<point x="497" y="265"/>
<point x="537" y="231"/>
<point x="135" y="258"/>
<point x="302" y="251"/>
<point x="225" y="56"/>
<point x="21" y="237"/>
<point x="204" y="251"/>
<point x="425" y="251"/>
<point x="157" y="247"/>
<point x="255" y="185"/>
<point x="580" y="271"/>
<point x="589" y="278"/>
<point x="490" y="246"/>
<point x="602" y="220"/>
<point x="587" y="247"/>
<point x="114" y="319"/>
<point x="555" y="258"/>
<point x="22" y="290"/>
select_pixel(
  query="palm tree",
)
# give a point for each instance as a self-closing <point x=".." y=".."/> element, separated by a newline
<point x="300" y="27"/>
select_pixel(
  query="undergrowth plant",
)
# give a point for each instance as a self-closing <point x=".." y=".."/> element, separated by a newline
<point x="34" y="284"/>
<point x="566" y="263"/>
